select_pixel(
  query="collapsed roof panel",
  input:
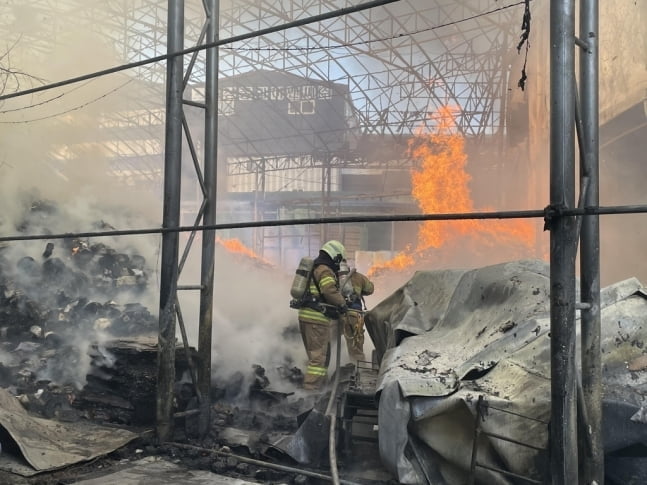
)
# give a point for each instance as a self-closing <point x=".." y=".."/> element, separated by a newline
<point x="47" y="445"/>
<point x="454" y="343"/>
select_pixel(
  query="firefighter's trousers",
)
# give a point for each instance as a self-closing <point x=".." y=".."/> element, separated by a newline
<point x="353" y="328"/>
<point x="316" y="339"/>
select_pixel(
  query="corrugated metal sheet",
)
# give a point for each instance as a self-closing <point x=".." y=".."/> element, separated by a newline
<point x="47" y="444"/>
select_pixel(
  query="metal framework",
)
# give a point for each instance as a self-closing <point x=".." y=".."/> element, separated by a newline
<point x="400" y="63"/>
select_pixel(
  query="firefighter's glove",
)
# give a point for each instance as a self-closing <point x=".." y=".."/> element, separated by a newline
<point x="343" y="309"/>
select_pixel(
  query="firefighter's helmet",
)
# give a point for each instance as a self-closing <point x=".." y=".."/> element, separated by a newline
<point x="335" y="250"/>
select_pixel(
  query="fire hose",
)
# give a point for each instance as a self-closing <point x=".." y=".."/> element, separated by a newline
<point x="331" y="411"/>
<point x="332" y="441"/>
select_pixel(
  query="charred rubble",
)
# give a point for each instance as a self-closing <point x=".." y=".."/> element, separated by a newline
<point x="62" y="309"/>
<point x="77" y="344"/>
<point x="64" y="324"/>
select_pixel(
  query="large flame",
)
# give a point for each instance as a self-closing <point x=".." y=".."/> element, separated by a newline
<point x="440" y="185"/>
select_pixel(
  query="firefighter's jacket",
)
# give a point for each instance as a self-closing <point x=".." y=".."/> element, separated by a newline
<point x="324" y="279"/>
<point x="362" y="286"/>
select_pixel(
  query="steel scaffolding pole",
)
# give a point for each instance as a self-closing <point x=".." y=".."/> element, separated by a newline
<point x="205" y="331"/>
<point x="563" y="244"/>
<point x="593" y="465"/>
<point x="171" y="218"/>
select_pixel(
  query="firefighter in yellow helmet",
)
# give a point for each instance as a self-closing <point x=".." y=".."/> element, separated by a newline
<point x="354" y="286"/>
<point x="314" y="320"/>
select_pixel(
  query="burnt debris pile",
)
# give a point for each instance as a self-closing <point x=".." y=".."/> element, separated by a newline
<point x="70" y="284"/>
<point x="62" y="301"/>
<point x="248" y="417"/>
<point x="78" y="343"/>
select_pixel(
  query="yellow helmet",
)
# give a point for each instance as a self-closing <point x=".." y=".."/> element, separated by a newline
<point x="335" y="250"/>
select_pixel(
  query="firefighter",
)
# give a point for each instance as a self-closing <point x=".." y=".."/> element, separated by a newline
<point x="354" y="291"/>
<point x="327" y="304"/>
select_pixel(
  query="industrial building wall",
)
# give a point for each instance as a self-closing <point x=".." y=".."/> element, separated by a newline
<point x="265" y="113"/>
<point x="623" y="89"/>
<point x="623" y="58"/>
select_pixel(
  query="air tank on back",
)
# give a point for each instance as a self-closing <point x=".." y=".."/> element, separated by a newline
<point x="302" y="278"/>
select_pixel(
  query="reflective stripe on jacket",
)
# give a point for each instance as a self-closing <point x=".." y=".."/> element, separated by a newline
<point x="326" y="281"/>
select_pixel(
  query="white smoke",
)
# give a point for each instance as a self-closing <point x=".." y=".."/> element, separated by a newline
<point x="252" y="321"/>
<point x="55" y="149"/>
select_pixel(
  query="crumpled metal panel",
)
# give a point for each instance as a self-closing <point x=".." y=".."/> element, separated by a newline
<point x="48" y="444"/>
<point x="485" y="314"/>
<point x="310" y="442"/>
<point x="491" y="339"/>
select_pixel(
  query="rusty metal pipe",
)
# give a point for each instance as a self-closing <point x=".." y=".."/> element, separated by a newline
<point x="171" y="218"/>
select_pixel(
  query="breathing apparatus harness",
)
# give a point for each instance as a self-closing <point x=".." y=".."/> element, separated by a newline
<point x="315" y="302"/>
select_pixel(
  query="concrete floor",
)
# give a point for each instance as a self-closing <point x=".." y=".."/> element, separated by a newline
<point x="159" y="471"/>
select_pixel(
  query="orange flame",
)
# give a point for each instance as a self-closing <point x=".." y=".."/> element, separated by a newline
<point x="400" y="261"/>
<point x="236" y="246"/>
<point x="440" y="185"/>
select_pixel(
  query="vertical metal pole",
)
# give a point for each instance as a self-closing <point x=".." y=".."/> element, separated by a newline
<point x="593" y="466"/>
<point x="171" y="218"/>
<point x="563" y="247"/>
<point x="323" y="228"/>
<point x="326" y="211"/>
<point x="257" y="176"/>
<point x="261" y="232"/>
<point x="279" y="241"/>
<point x="208" y="237"/>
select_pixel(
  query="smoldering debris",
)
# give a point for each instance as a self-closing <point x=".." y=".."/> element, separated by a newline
<point x="70" y="284"/>
<point x="69" y="354"/>
<point x="56" y="306"/>
<point x="121" y="383"/>
<point x="251" y="426"/>
<point x="66" y="308"/>
<point x="251" y="401"/>
<point x="79" y="345"/>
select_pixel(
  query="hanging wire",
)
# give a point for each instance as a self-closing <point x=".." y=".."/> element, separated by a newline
<point x="525" y="35"/>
